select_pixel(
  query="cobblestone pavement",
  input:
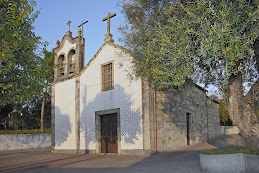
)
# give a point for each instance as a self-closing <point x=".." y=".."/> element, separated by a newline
<point x="185" y="160"/>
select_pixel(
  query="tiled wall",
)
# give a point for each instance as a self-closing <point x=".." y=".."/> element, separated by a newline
<point x="65" y="115"/>
<point x="126" y="95"/>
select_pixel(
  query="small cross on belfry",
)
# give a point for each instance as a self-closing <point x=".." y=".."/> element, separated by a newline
<point x="82" y="25"/>
<point x="108" y="21"/>
<point x="68" y="23"/>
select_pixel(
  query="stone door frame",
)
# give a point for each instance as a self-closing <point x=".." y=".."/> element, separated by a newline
<point x="98" y="115"/>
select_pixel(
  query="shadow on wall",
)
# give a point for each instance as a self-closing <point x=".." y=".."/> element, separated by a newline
<point x="130" y="117"/>
<point x="62" y="127"/>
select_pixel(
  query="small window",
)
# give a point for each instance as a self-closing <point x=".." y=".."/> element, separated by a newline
<point x="107" y="77"/>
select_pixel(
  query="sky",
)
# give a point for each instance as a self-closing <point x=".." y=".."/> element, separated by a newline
<point x="51" y="23"/>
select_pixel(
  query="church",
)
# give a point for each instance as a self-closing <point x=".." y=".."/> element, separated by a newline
<point x="104" y="108"/>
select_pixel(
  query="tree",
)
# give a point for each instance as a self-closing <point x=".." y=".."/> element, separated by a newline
<point x="47" y="67"/>
<point x="4" y="112"/>
<point x="223" y="113"/>
<point x="207" y="41"/>
<point x="19" y="64"/>
<point x="31" y="113"/>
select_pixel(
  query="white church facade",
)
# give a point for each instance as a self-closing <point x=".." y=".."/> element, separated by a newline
<point x="103" y="108"/>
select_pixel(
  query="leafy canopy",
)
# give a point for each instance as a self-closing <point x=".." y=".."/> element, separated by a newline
<point x="223" y="111"/>
<point x="19" y="64"/>
<point x="207" y="41"/>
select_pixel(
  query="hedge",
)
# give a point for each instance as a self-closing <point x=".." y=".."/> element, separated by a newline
<point x="33" y="131"/>
<point x="231" y="150"/>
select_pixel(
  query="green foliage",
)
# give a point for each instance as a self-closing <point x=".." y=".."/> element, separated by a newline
<point x="207" y="40"/>
<point x="31" y="113"/>
<point x="231" y="150"/>
<point x="26" y="116"/>
<point x="24" y="131"/>
<point x="19" y="65"/>
<point x="47" y="68"/>
<point x="223" y="111"/>
<point x="25" y="75"/>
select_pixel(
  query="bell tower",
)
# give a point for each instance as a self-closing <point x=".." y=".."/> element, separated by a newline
<point x="69" y="58"/>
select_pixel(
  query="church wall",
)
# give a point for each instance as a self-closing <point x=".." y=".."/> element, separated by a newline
<point x="126" y="96"/>
<point x="172" y="107"/>
<point x="65" y="138"/>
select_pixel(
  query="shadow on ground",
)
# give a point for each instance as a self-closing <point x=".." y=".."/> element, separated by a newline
<point x="185" y="160"/>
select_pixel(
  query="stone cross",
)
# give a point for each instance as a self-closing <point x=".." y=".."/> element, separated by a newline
<point x="82" y="26"/>
<point x="68" y="23"/>
<point x="108" y="21"/>
<point x="82" y="29"/>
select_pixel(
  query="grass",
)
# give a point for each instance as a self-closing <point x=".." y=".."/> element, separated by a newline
<point x="231" y="150"/>
<point x="33" y="131"/>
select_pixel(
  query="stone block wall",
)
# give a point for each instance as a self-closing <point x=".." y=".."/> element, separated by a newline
<point x="213" y="121"/>
<point x="172" y="108"/>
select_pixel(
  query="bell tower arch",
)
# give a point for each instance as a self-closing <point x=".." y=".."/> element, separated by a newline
<point x="69" y="55"/>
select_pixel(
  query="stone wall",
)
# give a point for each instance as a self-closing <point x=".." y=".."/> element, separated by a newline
<point x="213" y="121"/>
<point x="24" y="141"/>
<point x="172" y="109"/>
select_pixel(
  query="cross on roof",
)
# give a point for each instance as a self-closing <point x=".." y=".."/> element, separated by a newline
<point x="108" y="21"/>
<point x="68" y="23"/>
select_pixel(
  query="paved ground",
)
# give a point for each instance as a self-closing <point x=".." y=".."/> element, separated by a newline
<point x="42" y="160"/>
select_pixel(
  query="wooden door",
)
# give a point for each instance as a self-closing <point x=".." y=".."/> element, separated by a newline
<point x="109" y="140"/>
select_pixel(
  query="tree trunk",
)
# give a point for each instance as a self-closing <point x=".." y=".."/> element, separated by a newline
<point x="5" y="124"/>
<point x="243" y="110"/>
<point x="42" y="113"/>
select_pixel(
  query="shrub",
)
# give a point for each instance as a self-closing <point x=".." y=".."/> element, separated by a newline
<point x="33" y="131"/>
<point x="231" y="150"/>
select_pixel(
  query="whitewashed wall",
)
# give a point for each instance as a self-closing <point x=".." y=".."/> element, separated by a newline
<point x="66" y="48"/>
<point x="65" y="115"/>
<point x="24" y="141"/>
<point x="126" y="95"/>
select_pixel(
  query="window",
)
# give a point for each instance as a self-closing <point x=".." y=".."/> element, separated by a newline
<point x="107" y="77"/>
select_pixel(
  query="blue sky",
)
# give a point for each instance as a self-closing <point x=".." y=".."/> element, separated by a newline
<point x="51" y="24"/>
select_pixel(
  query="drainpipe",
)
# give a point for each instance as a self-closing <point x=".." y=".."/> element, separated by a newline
<point x="207" y="118"/>
<point x="155" y="120"/>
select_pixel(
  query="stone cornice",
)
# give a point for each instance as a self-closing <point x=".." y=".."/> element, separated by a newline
<point x="69" y="38"/>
